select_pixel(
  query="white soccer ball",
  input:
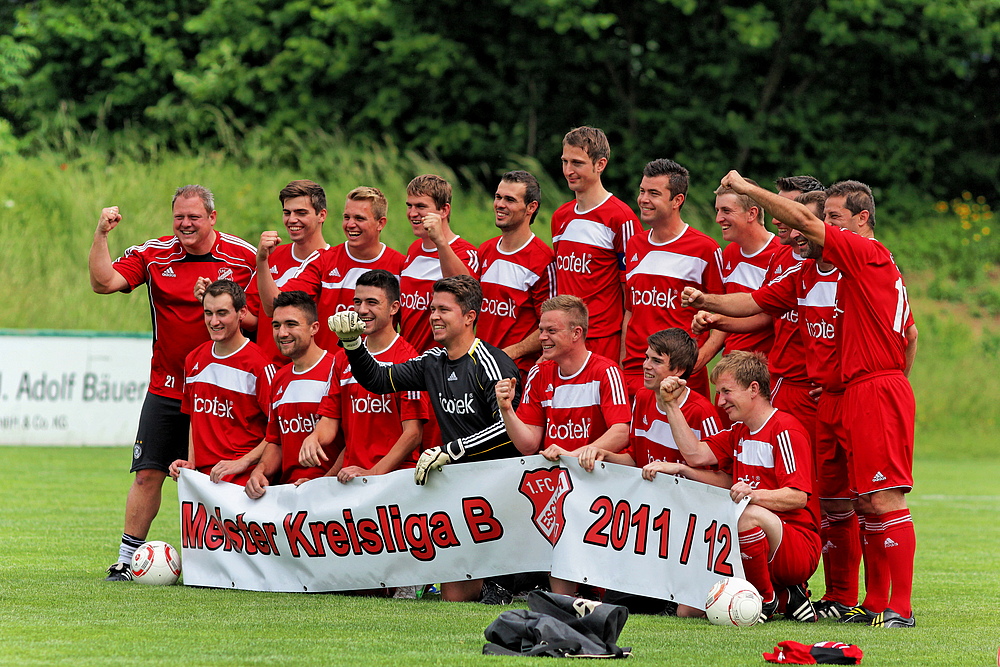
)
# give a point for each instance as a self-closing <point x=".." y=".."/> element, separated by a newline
<point x="733" y="601"/>
<point x="156" y="563"/>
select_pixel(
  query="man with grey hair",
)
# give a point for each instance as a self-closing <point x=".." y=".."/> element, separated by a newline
<point x="169" y="266"/>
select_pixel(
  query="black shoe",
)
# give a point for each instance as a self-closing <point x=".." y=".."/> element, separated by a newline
<point x="799" y="608"/>
<point x="892" y="619"/>
<point x="857" y="615"/>
<point x="119" y="572"/>
<point x="830" y="609"/>
<point x="767" y="610"/>
<point x="494" y="593"/>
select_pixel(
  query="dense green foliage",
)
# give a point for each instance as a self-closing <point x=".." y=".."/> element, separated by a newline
<point x="898" y="93"/>
<point x="61" y="529"/>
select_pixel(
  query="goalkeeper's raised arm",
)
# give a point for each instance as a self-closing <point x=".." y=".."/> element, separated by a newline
<point x="459" y="377"/>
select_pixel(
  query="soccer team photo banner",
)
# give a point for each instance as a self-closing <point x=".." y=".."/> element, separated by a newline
<point x="670" y="538"/>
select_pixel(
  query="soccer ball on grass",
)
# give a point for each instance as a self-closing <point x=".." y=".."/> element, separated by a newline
<point x="156" y="563"/>
<point x="733" y="601"/>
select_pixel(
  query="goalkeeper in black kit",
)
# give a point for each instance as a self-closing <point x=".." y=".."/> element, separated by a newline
<point x="459" y="378"/>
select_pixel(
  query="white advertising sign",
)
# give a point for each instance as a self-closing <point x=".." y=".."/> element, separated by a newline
<point x="64" y="389"/>
<point x="670" y="538"/>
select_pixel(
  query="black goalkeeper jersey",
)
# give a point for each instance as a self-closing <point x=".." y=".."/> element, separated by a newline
<point x="461" y="391"/>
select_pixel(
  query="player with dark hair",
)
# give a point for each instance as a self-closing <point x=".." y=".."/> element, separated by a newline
<point x="382" y="432"/>
<point x="296" y="393"/>
<point x="227" y="387"/>
<point x="459" y="378"/>
<point x="303" y="211"/>
<point x="170" y="266"/>
<point x="330" y="279"/>
<point x="876" y="340"/>
<point x="660" y="263"/>
<point x="793" y="186"/>
<point x="769" y="460"/>
<point x="437" y="253"/>
<point x="589" y="235"/>
<point x="518" y="272"/>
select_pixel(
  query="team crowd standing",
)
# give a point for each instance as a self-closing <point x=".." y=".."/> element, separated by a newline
<point x="596" y="349"/>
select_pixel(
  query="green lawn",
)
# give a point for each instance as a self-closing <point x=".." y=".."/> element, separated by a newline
<point x="61" y="517"/>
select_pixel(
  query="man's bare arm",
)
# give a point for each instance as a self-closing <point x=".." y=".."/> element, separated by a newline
<point x="792" y="213"/>
<point x="104" y="279"/>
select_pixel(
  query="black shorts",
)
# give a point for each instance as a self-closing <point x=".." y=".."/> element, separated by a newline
<point x="163" y="434"/>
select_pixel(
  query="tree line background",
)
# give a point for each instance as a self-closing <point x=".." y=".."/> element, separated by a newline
<point x="902" y="94"/>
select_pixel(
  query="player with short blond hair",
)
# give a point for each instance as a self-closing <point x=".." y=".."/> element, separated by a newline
<point x="768" y="456"/>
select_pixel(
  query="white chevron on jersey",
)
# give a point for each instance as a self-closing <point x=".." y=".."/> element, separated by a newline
<point x="670" y="265"/>
<point x="504" y="272"/>
<point x="822" y="295"/>
<point x="747" y="275"/>
<point x="587" y="232"/>
<point x="226" y="377"/>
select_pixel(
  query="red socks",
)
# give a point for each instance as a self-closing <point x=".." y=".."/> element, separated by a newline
<point x="754" y="549"/>
<point x="841" y="557"/>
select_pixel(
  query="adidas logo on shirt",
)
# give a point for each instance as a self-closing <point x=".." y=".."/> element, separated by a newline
<point x="195" y="368"/>
<point x="635" y="258"/>
<point x="879" y="477"/>
<point x="169" y="272"/>
<point x="280" y="391"/>
<point x="890" y="543"/>
<point x="274" y="270"/>
<point x="452" y="377"/>
<point x="335" y="273"/>
<point x="549" y="389"/>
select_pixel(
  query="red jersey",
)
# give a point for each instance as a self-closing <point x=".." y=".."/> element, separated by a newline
<point x="815" y="294"/>
<point x="421" y="269"/>
<point x="295" y="399"/>
<point x="331" y="279"/>
<point x="228" y="401"/>
<point x="742" y="273"/>
<point x="787" y="357"/>
<point x="515" y="284"/>
<point x="589" y="247"/>
<point x="650" y="438"/>
<point x="656" y="274"/>
<point x="776" y="456"/>
<point x="873" y="311"/>
<point x="575" y="410"/>
<point x="170" y="273"/>
<point x="284" y="266"/>
<point x="372" y="423"/>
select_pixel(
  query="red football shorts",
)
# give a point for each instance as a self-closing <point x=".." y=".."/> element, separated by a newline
<point x="832" y="463"/>
<point x="797" y="556"/>
<point x="879" y="411"/>
<point x="794" y="398"/>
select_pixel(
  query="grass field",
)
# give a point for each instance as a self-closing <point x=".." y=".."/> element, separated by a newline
<point x="60" y="514"/>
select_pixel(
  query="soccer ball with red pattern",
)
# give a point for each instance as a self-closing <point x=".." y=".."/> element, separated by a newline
<point x="733" y="601"/>
<point x="156" y="563"/>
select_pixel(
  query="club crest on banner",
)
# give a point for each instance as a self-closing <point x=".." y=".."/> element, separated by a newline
<point x="547" y="489"/>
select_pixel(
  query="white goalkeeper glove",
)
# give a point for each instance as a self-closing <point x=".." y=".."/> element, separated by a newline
<point x="348" y="327"/>
<point x="434" y="458"/>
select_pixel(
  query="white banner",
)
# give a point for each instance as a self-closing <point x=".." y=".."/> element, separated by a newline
<point x="670" y="538"/>
<point x="64" y="389"/>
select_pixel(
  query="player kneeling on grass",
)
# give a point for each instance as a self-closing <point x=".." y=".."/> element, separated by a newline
<point x="459" y="377"/>
<point x="767" y="454"/>
<point x="574" y="398"/>
<point x="296" y="393"/>
<point x="670" y="352"/>
<point x="381" y="431"/>
<point x="227" y="386"/>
